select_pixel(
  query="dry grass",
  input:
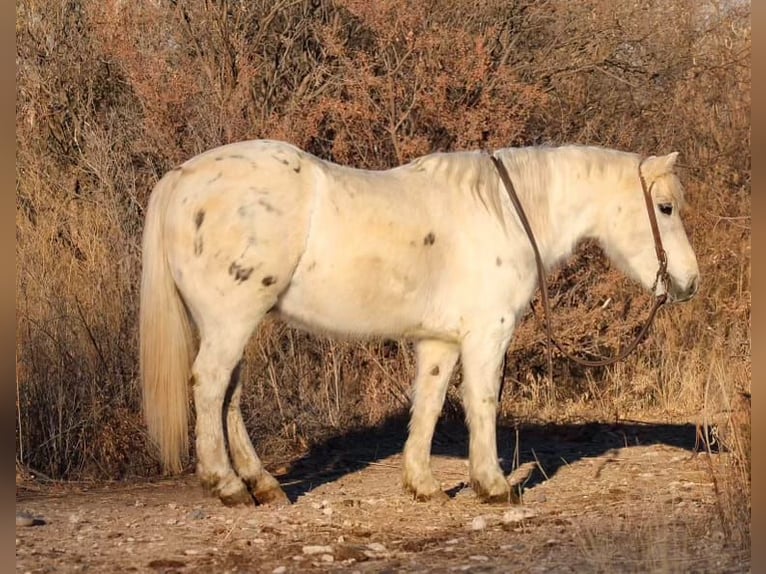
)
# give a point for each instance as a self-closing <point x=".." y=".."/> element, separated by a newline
<point x="110" y="95"/>
<point x="654" y="539"/>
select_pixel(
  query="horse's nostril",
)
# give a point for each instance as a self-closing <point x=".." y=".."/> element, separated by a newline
<point x="692" y="288"/>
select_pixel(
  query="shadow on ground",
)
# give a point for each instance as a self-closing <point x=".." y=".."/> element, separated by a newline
<point x="550" y="445"/>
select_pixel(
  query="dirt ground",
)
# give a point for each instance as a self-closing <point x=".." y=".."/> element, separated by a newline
<point x="596" y="498"/>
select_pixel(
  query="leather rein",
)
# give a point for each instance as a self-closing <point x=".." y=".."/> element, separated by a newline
<point x="662" y="273"/>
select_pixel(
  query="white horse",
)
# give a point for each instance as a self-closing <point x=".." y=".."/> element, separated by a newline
<point x="431" y="251"/>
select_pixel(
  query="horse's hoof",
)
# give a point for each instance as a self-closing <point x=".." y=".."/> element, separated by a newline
<point x="506" y="495"/>
<point x="424" y="489"/>
<point x="234" y="493"/>
<point x="209" y="486"/>
<point x="240" y="497"/>
<point x="273" y="496"/>
<point x="436" y="496"/>
<point x="509" y="497"/>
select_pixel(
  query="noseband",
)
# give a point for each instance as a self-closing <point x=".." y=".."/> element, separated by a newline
<point x="662" y="273"/>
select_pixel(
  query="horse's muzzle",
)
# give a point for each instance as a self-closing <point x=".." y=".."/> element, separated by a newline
<point x="680" y="294"/>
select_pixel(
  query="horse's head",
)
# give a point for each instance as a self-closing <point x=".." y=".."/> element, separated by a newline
<point x="629" y="240"/>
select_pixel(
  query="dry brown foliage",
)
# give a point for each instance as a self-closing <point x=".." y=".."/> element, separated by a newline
<point x="112" y="94"/>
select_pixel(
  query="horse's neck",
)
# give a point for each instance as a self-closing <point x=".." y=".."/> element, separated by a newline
<point x="561" y="200"/>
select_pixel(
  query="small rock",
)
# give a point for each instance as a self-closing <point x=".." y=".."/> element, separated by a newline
<point x="351" y="552"/>
<point x="197" y="514"/>
<point x="478" y="557"/>
<point x="327" y="558"/>
<point x="327" y="511"/>
<point x="191" y="552"/>
<point x="376" y="547"/>
<point x="75" y="518"/>
<point x="26" y="519"/>
<point x="316" y="549"/>
<point x="279" y="570"/>
<point x="517" y="514"/>
<point x="478" y="523"/>
<point x="172" y="505"/>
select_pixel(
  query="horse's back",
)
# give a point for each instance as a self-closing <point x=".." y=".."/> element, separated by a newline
<point x="386" y="251"/>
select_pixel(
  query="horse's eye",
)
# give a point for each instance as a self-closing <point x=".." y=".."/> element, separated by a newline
<point x="666" y="208"/>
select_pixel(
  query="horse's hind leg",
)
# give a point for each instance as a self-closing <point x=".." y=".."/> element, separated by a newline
<point x="263" y="486"/>
<point x="435" y="362"/>
<point x="220" y="351"/>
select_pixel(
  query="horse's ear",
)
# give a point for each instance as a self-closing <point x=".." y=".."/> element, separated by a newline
<point x="660" y="165"/>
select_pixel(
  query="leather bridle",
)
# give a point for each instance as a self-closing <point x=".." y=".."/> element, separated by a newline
<point x="662" y="273"/>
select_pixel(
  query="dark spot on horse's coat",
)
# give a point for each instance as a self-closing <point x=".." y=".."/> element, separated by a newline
<point x="270" y="208"/>
<point x="216" y="178"/>
<point x="232" y="156"/>
<point x="498" y="261"/>
<point x="502" y="320"/>
<point x="198" y="245"/>
<point x="268" y="280"/>
<point x="429" y="239"/>
<point x="243" y="211"/>
<point x="312" y="266"/>
<point x="297" y="168"/>
<point x="281" y="160"/>
<point x="435" y="370"/>
<point x="240" y="274"/>
<point x="199" y="217"/>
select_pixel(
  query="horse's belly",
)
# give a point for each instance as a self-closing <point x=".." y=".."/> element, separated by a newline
<point x="362" y="296"/>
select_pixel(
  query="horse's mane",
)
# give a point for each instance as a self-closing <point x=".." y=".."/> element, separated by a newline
<point x="532" y="170"/>
<point x="470" y="171"/>
<point x="535" y="165"/>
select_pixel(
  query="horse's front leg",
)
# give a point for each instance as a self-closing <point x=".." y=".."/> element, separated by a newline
<point x="482" y="357"/>
<point x="435" y="362"/>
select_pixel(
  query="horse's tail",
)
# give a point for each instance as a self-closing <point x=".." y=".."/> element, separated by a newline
<point x="165" y="339"/>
